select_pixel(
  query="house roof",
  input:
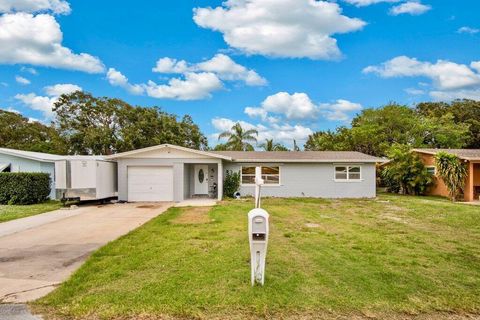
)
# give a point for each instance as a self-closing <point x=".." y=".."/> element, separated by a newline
<point x="163" y="146"/>
<point x="465" y="154"/>
<point x="45" y="157"/>
<point x="299" y="156"/>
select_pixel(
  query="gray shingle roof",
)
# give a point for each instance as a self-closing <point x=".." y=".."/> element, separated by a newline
<point x="299" y="156"/>
<point x="466" y="154"/>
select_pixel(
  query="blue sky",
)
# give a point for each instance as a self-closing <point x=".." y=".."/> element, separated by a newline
<point x="285" y="67"/>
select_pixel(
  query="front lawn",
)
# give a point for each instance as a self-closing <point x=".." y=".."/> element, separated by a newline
<point x="12" y="212"/>
<point x="389" y="257"/>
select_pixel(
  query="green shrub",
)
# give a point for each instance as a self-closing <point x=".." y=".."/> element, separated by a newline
<point x="453" y="173"/>
<point x="405" y="173"/>
<point x="24" y="187"/>
<point x="231" y="183"/>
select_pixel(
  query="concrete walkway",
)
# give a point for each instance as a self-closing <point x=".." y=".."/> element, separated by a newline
<point x="39" y="252"/>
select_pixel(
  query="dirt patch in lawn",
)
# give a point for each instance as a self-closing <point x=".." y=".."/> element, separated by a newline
<point x="149" y="206"/>
<point x="195" y="215"/>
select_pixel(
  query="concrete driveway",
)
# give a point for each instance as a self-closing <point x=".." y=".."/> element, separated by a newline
<point x="39" y="252"/>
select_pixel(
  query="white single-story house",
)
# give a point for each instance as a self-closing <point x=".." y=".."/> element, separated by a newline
<point x="172" y="173"/>
<point x="87" y="177"/>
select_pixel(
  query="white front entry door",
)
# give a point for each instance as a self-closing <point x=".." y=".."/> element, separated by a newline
<point x="201" y="179"/>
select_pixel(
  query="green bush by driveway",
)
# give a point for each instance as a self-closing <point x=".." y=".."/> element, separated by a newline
<point x="397" y="255"/>
<point x="24" y="187"/>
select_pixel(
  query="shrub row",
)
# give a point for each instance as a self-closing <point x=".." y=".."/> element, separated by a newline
<point x="24" y="187"/>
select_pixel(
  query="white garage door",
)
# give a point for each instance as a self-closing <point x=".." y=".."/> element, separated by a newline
<point x="150" y="184"/>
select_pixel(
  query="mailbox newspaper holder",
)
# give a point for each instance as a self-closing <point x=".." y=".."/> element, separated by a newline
<point x="258" y="232"/>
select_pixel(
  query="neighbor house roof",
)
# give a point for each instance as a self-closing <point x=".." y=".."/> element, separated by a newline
<point x="299" y="156"/>
<point x="45" y="157"/>
<point x="465" y="154"/>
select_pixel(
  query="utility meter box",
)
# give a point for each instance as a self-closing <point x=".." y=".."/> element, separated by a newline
<point x="258" y="231"/>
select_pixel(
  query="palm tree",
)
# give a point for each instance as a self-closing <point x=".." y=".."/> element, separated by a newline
<point x="269" y="145"/>
<point x="238" y="139"/>
<point x="452" y="171"/>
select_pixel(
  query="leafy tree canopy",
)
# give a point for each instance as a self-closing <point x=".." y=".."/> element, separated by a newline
<point x="374" y="131"/>
<point x="17" y="132"/>
<point x="92" y="125"/>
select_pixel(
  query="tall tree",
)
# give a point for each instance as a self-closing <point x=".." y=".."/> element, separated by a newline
<point x="93" y="125"/>
<point x="338" y="140"/>
<point x="239" y="139"/>
<point x="18" y="132"/>
<point x="374" y="131"/>
<point x="465" y="112"/>
<point x="269" y="145"/>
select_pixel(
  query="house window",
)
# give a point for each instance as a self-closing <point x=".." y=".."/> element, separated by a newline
<point x="432" y="170"/>
<point x="270" y="175"/>
<point x="348" y="173"/>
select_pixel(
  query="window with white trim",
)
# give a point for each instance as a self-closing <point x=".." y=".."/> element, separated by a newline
<point x="270" y="175"/>
<point x="432" y="170"/>
<point x="348" y="173"/>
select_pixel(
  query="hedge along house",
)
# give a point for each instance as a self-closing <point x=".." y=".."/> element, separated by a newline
<point x="87" y="177"/>
<point x="471" y="158"/>
<point x="172" y="173"/>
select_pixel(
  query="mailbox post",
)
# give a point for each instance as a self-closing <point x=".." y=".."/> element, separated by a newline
<point x="258" y="231"/>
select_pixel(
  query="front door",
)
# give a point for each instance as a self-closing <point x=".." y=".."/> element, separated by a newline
<point x="201" y="179"/>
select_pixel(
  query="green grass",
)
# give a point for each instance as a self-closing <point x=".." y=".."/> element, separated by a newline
<point x="393" y="255"/>
<point x="8" y="212"/>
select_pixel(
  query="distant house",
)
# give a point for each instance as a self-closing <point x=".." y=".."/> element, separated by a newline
<point x="471" y="157"/>
<point x="87" y="177"/>
<point x="172" y="173"/>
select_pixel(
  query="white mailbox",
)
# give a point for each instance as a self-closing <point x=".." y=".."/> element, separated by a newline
<point x="258" y="237"/>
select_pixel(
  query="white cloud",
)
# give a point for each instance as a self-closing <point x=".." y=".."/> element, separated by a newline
<point x="473" y="94"/>
<point x="293" y="106"/>
<point x="450" y="80"/>
<point x="197" y="81"/>
<point x="222" y="65"/>
<point x="22" y="80"/>
<point x="446" y="75"/>
<point x="364" y="3"/>
<point x="340" y="110"/>
<point x="44" y="104"/>
<point x="169" y="65"/>
<point x="37" y="40"/>
<point x="299" y="106"/>
<point x="280" y="28"/>
<point x="116" y="78"/>
<point x="468" y="30"/>
<point x="29" y="70"/>
<point x="284" y="133"/>
<point x="32" y="6"/>
<point x="414" y="91"/>
<point x="61" y="88"/>
<point x="195" y="86"/>
<point x="411" y="7"/>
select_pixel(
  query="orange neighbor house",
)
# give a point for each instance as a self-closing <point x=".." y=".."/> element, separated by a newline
<point x="471" y="157"/>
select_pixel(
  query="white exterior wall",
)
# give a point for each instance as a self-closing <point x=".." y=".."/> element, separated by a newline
<point x="83" y="174"/>
<point x="18" y="164"/>
<point x="313" y="180"/>
<point x="106" y="179"/>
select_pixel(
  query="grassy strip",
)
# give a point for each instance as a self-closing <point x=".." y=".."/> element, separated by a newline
<point x="13" y="212"/>
<point x="393" y="255"/>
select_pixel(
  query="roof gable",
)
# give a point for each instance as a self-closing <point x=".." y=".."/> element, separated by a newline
<point x="167" y="151"/>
